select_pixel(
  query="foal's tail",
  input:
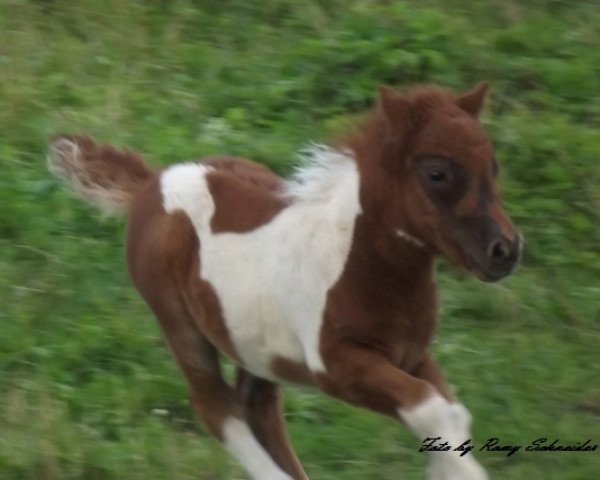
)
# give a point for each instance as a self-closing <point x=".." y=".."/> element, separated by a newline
<point x="101" y="174"/>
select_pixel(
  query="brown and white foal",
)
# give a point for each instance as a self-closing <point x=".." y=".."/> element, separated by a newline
<point x="325" y="279"/>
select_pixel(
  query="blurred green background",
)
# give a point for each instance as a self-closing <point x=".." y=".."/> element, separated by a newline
<point x="82" y="365"/>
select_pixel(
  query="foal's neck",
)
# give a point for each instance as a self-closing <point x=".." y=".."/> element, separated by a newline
<point x="387" y="255"/>
<point x="336" y="187"/>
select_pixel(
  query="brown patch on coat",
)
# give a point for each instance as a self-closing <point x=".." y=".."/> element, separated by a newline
<point x="378" y="323"/>
<point x="358" y="376"/>
<point x="431" y="372"/>
<point x="163" y="255"/>
<point x="292" y="371"/>
<point x="246" y="195"/>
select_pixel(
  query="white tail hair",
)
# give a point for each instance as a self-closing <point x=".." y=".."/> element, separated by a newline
<point x="102" y="175"/>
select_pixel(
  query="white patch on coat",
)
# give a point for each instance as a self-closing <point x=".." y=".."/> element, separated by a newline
<point x="409" y="238"/>
<point x="436" y="417"/>
<point x="243" y="446"/>
<point x="272" y="282"/>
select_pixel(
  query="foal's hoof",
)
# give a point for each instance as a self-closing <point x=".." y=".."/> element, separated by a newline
<point x="456" y="468"/>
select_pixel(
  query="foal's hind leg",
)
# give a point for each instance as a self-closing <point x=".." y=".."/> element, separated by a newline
<point x="215" y="402"/>
<point x="263" y="411"/>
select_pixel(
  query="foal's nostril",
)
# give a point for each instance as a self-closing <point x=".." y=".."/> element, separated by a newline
<point x="499" y="250"/>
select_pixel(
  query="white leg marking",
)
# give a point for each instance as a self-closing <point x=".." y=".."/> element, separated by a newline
<point x="241" y="444"/>
<point x="436" y="417"/>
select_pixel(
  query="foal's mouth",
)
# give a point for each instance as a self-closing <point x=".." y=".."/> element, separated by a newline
<point x="487" y="268"/>
<point x="492" y="275"/>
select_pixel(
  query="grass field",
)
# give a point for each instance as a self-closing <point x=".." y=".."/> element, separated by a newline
<point x="85" y="379"/>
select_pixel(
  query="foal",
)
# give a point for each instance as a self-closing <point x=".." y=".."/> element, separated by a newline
<point x="326" y="279"/>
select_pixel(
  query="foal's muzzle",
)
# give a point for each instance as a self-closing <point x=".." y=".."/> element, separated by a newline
<point x="502" y="256"/>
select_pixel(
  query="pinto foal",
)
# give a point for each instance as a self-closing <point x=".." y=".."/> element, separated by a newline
<point x="326" y="279"/>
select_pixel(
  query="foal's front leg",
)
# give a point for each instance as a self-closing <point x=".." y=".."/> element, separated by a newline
<point x="442" y="463"/>
<point x="262" y="403"/>
<point x="366" y="378"/>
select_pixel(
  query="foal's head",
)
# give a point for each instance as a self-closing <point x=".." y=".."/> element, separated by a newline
<point x="437" y="179"/>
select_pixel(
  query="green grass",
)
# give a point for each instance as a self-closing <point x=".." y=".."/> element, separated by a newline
<point x="82" y="363"/>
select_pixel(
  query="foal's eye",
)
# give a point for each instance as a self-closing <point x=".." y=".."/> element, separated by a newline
<point x="442" y="178"/>
<point x="438" y="176"/>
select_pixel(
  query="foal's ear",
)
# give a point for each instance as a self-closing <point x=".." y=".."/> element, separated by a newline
<point x="472" y="101"/>
<point x="395" y="107"/>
